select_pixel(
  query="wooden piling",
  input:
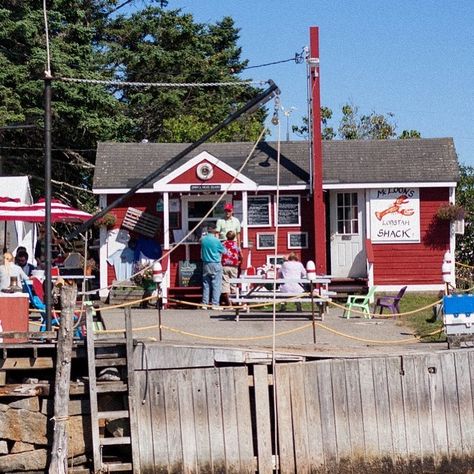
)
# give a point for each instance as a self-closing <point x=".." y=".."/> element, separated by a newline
<point x="59" y="451"/>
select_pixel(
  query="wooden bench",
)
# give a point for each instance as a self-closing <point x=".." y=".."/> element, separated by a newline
<point x="241" y="302"/>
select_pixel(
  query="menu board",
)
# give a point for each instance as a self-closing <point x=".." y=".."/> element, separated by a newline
<point x="289" y="210"/>
<point x="266" y="240"/>
<point x="258" y="210"/>
<point x="297" y="240"/>
<point x="189" y="273"/>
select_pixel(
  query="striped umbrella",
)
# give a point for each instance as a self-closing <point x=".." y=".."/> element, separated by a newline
<point x="60" y="212"/>
<point x="7" y="203"/>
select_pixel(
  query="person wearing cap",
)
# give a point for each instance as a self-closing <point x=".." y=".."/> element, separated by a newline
<point x="228" y="223"/>
<point x="211" y="255"/>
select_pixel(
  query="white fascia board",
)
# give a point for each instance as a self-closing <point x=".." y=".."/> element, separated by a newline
<point x="186" y="188"/>
<point x="121" y="190"/>
<point x="291" y="187"/>
<point x="164" y="182"/>
<point x="447" y="184"/>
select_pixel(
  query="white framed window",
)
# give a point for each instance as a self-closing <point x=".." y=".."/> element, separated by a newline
<point x="289" y="211"/>
<point x="258" y="211"/>
<point x="276" y="262"/>
<point x="347" y="214"/>
<point x="266" y="240"/>
<point x="194" y="208"/>
<point x="297" y="240"/>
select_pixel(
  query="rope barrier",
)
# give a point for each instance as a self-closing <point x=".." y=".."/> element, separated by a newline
<point x="282" y="333"/>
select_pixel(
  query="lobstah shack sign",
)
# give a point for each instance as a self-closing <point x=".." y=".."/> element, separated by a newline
<point x="395" y="215"/>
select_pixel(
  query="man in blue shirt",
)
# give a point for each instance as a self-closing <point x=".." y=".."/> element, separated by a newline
<point x="211" y="254"/>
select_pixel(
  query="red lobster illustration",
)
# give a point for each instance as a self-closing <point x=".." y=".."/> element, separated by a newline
<point x="396" y="208"/>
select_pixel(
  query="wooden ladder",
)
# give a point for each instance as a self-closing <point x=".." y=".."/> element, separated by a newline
<point x="115" y="347"/>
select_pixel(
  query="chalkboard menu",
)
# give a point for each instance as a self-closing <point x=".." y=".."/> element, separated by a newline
<point x="258" y="210"/>
<point x="266" y="240"/>
<point x="289" y="210"/>
<point x="189" y="273"/>
<point x="297" y="240"/>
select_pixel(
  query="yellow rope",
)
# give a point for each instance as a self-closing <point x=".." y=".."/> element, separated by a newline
<point x="406" y="313"/>
<point x="283" y="333"/>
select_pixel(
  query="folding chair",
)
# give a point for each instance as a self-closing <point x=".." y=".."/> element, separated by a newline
<point x="360" y="302"/>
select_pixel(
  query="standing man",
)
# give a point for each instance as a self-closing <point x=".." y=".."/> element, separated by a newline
<point x="211" y="255"/>
<point x="228" y="223"/>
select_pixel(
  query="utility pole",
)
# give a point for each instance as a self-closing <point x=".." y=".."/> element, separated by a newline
<point x="47" y="197"/>
<point x="319" y="211"/>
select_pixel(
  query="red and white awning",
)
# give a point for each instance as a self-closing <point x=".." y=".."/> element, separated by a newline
<point x="60" y="212"/>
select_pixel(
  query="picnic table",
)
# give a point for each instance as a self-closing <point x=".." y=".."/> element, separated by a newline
<point x="259" y="289"/>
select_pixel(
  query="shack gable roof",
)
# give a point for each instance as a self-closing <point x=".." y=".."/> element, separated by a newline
<point x="122" y="165"/>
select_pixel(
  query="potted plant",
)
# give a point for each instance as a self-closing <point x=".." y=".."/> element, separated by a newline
<point x="144" y="277"/>
<point x="450" y="212"/>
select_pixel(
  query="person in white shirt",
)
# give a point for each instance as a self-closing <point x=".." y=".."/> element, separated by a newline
<point x="8" y="270"/>
<point x="228" y="223"/>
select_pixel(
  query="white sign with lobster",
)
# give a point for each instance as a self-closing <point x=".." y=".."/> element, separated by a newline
<point x="395" y="215"/>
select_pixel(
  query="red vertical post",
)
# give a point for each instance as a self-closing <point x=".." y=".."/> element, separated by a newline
<point x="317" y="163"/>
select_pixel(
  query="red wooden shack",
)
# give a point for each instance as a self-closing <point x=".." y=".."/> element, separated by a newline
<point x="381" y="200"/>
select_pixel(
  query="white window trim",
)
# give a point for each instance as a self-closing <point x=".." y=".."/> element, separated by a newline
<point x="193" y="198"/>
<point x="297" y="233"/>
<point x="271" y="258"/>
<point x="259" y="247"/>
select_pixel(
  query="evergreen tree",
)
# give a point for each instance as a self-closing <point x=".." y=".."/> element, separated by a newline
<point x="94" y="40"/>
<point x="82" y="113"/>
<point x="156" y="45"/>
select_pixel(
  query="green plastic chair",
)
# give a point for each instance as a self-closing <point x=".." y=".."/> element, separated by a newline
<point x="360" y="302"/>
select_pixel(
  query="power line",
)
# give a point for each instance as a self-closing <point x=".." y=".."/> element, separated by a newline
<point x="89" y="150"/>
<point x="298" y="59"/>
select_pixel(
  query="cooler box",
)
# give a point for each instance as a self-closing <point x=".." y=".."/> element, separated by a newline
<point x="458" y="314"/>
<point x="14" y="314"/>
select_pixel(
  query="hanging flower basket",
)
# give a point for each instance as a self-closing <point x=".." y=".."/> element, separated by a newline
<point x="450" y="212"/>
<point x="108" y="221"/>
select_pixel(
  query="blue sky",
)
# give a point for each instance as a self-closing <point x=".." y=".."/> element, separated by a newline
<point x="414" y="58"/>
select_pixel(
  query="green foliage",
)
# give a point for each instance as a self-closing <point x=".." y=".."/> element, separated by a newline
<point x="88" y="41"/>
<point x="450" y="212"/>
<point x="365" y="127"/>
<point x="409" y="134"/>
<point x="465" y="198"/>
<point x="155" y="45"/>
<point x="354" y="126"/>
<point x="327" y="132"/>
<point x="423" y="322"/>
<point x="82" y="114"/>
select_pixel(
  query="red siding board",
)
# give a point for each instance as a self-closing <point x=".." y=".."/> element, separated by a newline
<point x="416" y="263"/>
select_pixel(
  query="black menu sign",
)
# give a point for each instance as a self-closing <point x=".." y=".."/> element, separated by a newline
<point x="289" y="210"/>
<point x="189" y="273"/>
<point x="258" y="211"/>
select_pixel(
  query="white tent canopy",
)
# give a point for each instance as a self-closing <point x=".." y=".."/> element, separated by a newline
<point x="17" y="232"/>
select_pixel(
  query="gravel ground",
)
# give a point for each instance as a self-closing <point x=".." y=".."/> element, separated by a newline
<point x="335" y="336"/>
